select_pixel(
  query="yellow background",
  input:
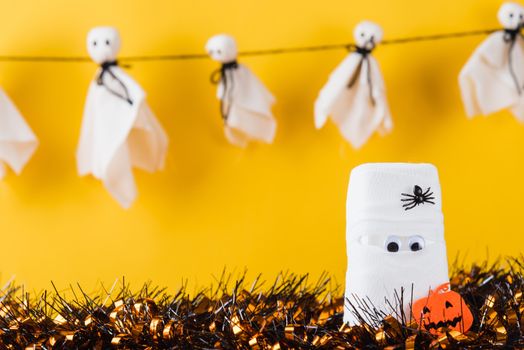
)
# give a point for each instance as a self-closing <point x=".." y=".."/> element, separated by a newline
<point x="269" y="207"/>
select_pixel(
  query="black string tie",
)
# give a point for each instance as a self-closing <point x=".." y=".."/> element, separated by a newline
<point x="221" y="76"/>
<point x="106" y="68"/>
<point x="510" y="37"/>
<point x="364" y="58"/>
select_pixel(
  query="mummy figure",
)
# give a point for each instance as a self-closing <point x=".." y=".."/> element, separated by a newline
<point x="119" y="130"/>
<point x="493" y="77"/>
<point x="395" y="238"/>
<point x="17" y="141"/>
<point x="245" y="103"/>
<point x="354" y="95"/>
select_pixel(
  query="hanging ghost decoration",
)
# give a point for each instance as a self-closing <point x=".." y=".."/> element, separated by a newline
<point x="245" y="103"/>
<point x="119" y="130"/>
<point x="17" y="140"/>
<point x="493" y="77"/>
<point x="354" y="95"/>
<point x="395" y="238"/>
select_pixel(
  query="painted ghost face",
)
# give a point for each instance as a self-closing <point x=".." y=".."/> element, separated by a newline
<point x="222" y="48"/>
<point x="511" y="15"/>
<point x="367" y="34"/>
<point x="395" y="234"/>
<point x="103" y="44"/>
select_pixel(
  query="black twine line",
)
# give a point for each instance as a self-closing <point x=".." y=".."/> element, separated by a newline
<point x="182" y="57"/>
<point x="439" y="36"/>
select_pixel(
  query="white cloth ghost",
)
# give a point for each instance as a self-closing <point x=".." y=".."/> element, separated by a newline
<point x="354" y="95"/>
<point x="493" y="77"/>
<point x="119" y="130"/>
<point x="245" y="101"/>
<point x="395" y="236"/>
<point x="17" y="140"/>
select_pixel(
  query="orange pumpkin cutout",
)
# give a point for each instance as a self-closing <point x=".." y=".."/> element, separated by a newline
<point x="442" y="310"/>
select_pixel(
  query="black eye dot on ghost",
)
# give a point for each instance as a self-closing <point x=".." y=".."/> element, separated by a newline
<point x="94" y="43"/>
<point x="107" y="42"/>
<point x="511" y="15"/>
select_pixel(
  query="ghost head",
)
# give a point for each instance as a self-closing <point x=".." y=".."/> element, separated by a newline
<point x="395" y="233"/>
<point x="103" y="44"/>
<point x="511" y="15"/>
<point x="367" y="34"/>
<point x="222" y="48"/>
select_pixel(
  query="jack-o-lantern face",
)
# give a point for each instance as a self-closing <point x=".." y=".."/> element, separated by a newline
<point x="442" y="310"/>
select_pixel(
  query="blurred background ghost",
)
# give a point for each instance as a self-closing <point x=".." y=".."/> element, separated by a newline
<point x="354" y="95"/>
<point x="17" y="140"/>
<point x="245" y="103"/>
<point x="493" y="77"/>
<point x="119" y="130"/>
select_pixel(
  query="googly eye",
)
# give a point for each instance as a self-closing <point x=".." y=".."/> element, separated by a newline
<point x="392" y="244"/>
<point x="107" y="42"/>
<point x="94" y="43"/>
<point x="416" y="243"/>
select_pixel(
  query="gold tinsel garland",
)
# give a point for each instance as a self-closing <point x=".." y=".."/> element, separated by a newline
<point x="290" y="314"/>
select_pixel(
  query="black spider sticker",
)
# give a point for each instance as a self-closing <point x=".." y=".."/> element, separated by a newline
<point x="418" y="197"/>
